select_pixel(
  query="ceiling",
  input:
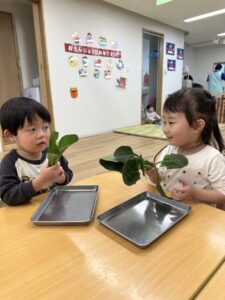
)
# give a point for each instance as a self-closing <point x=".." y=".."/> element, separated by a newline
<point x="199" y="33"/>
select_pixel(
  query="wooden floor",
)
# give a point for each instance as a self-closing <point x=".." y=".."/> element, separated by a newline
<point x="84" y="156"/>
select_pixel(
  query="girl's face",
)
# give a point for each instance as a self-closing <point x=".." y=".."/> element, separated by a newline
<point x="178" y="131"/>
<point x="33" y="138"/>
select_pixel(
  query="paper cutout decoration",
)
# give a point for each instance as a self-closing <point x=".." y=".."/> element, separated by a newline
<point x="96" y="73"/>
<point x="85" y="61"/>
<point x="121" y="82"/>
<point x="76" y="38"/>
<point x="109" y="64"/>
<point x="102" y="41"/>
<point x="73" y="61"/>
<point x="171" y="65"/>
<point x="180" y="53"/>
<point x="98" y="63"/>
<point x="108" y="74"/>
<point x="120" y="64"/>
<point x="73" y="92"/>
<point x="170" y="48"/>
<point x="114" y="45"/>
<point x="83" y="72"/>
<point x="89" y="39"/>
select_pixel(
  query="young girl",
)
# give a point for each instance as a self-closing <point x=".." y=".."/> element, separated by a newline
<point x="190" y="125"/>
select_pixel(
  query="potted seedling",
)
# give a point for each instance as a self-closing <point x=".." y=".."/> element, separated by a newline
<point x="55" y="150"/>
<point x="130" y="164"/>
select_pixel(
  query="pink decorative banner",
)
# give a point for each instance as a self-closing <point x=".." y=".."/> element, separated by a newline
<point x="92" y="51"/>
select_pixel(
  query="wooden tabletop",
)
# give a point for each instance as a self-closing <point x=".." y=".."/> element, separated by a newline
<point x="91" y="262"/>
<point x="214" y="289"/>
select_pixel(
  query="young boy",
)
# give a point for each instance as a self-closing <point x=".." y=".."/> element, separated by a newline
<point x="24" y="172"/>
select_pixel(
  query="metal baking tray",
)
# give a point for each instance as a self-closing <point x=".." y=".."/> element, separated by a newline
<point x="67" y="205"/>
<point x="144" y="218"/>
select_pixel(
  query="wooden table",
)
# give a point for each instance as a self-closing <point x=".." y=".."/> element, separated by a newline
<point x="91" y="262"/>
<point x="215" y="287"/>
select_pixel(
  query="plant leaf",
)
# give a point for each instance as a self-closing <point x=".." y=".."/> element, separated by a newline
<point x="130" y="171"/>
<point x="53" y="148"/>
<point x="110" y="163"/>
<point x="52" y="159"/>
<point x="66" y="141"/>
<point x="174" y="161"/>
<point x="124" y="153"/>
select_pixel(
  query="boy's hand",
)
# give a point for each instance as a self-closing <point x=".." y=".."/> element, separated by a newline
<point x="151" y="173"/>
<point x="184" y="192"/>
<point x="48" y="176"/>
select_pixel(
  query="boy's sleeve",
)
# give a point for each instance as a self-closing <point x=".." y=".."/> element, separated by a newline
<point x="67" y="170"/>
<point x="12" y="191"/>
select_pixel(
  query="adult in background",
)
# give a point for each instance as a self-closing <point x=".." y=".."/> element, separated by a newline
<point x="215" y="80"/>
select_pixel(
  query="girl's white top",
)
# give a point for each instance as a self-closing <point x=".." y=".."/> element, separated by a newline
<point x="205" y="169"/>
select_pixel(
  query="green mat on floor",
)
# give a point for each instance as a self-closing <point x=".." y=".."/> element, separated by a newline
<point x="149" y="130"/>
<point x="146" y="130"/>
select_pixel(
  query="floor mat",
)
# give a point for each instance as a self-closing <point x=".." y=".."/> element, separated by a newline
<point x="151" y="130"/>
<point x="147" y="130"/>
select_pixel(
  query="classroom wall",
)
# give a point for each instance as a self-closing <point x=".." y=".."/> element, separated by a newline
<point x="201" y="60"/>
<point x="24" y="31"/>
<point x="100" y="106"/>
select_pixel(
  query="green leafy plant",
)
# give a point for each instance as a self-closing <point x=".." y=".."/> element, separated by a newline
<point x="130" y="164"/>
<point x="55" y="150"/>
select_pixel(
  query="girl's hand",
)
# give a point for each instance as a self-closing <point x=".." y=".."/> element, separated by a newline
<point x="184" y="192"/>
<point x="152" y="175"/>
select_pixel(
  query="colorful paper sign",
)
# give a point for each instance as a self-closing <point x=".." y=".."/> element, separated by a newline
<point x="170" y="48"/>
<point x="180" y="53"/>
<point x="92" y="51"/>
<point x="171" y="65"/>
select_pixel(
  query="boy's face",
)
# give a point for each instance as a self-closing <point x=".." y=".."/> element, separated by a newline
<point x="33" y="138"/>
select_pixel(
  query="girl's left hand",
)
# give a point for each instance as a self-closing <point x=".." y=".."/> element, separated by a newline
<point x="182" y="193"/>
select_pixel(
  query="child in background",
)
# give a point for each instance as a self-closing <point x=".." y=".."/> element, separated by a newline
<point x="151" y="115"/>
<point x="190" y="125"/>
<point x="24" y="172"/>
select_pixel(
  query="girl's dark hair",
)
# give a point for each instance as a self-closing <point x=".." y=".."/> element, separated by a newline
<point x="196" y="104"/>
<point x="15" y="111"/>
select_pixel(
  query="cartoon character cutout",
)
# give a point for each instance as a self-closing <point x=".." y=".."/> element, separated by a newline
<point x="89" y="39"/>
<point x="73" y="61"/>
<point x="120" y="64"/>
<point x="76" y="38"/>
<point x="73" y="92"/>
<point x="102" y="41"/>
<point x="109" y="64"/>
<point x="114" y="45"/>
<point x="96" y="73"/>
<point x="108" y="74"/>
<point x="98" y="63"/>
<point x="83" y="72"/>
<point x="121" y="82"/>
<point x="85" y="61"/>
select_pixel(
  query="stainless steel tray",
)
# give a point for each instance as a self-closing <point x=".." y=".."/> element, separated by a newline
<point x="67" y="205"/>
<point x="144" y="218"/>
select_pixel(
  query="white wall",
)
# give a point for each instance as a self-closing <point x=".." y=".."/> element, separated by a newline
<point x="24" y="31"/>
<point x="201" y="60"/>
<point x="100" y="106"/>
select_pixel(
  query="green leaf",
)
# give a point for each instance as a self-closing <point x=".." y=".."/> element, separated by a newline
<point x="124" y="153"/>
<point x="110" y="163"/>
<point x="66" y="141"/>
<point x="174" y="161"/>
<point x="53" y="148"/>
<point x="130" y="171"/>
<point x="52" y="159"/>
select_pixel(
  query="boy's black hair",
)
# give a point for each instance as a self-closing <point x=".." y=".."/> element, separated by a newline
<point x="196" y="104"/>
<point x="15" y="111"/>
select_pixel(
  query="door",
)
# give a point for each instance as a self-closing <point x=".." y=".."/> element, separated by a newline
<point x="151" y="73"/>
<point x="10" y="84"/>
